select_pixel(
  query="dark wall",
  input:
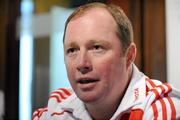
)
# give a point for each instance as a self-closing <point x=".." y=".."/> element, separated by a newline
<point x="9" y="56"/>
<point x="3" y="22"/>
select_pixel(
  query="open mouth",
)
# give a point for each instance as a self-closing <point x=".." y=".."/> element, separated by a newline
<point x="87" y="81"/>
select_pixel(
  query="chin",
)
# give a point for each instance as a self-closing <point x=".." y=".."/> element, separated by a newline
<point x="88" y="97"/>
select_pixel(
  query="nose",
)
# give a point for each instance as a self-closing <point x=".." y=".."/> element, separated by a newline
<point x="84" y="63"/>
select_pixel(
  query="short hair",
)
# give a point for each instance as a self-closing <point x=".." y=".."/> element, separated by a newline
<point x="124" y="27"/>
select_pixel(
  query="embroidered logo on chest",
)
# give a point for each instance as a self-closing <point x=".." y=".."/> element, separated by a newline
<point x="136" y="93"/>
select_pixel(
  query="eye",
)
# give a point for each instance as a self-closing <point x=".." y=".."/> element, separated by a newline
<point x="71" y="51"/>
<point x="97" y="47"/>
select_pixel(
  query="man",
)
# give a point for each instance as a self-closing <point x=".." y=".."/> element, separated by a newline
<point x="99" y="52"/>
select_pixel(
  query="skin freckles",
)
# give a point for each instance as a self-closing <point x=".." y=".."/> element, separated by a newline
<point x="94" y="60"/>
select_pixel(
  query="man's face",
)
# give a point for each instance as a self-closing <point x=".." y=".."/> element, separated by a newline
<point x="93" y="56"/>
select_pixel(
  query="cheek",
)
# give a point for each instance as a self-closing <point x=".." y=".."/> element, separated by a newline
<point x="104" y="67"/>
<point x="111" y="69"/>
<point x="70" y="69"/>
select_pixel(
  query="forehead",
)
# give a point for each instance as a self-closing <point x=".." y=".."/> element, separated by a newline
<point x="99" y="13"/>
<point x="93" y="19"/>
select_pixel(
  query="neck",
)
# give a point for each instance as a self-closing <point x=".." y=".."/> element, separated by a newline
<point x="102" y="110"/>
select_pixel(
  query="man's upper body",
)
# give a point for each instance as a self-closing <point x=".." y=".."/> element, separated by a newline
<point x="97" y="62"/>
<point x="144" y="99"/>
<point x="99" y="52"/>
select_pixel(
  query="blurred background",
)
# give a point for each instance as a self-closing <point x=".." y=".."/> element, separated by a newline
<point x="31" y="48"/>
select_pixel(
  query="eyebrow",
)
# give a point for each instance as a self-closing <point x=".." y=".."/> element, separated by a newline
<point x="74" y="43"/>
<point x="106" y="43"/>
<point x="71" y="44"/>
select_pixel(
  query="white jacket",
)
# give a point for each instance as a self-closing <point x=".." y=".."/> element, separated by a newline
<point x="145" y="99"/>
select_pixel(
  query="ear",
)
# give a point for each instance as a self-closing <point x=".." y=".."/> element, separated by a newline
<point x="130" y="54"/>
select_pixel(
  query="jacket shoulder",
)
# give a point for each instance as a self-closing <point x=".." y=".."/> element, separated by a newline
<point x="56" y="97"/>
<point x="165" y="100"/>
